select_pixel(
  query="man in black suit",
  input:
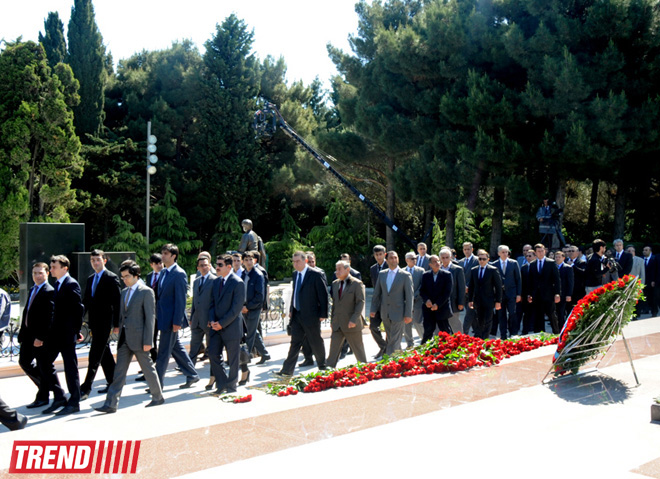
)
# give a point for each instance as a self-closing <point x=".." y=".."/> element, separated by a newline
<point x="309" y="308"/>
<point x="35" y="327"/>
<point x="484" y="293"/>
<point x="544" y="290"/>
<point x="566" y="277"/>
<point x="525" y="313"/>
<point x="436" y="292"/>
<point x="579" y="268"/>
<point x="467" y="263"/>
<point x="624" y="258"/>
<point x="260" y="334"/>
<point x="254" y="300"/>
<point x="650" y="271"/>
<point x="101" y="302"/>
<point x="511" y="293"/>
<point x="68" y="312"/>
<point x="597" y="266"/>
<point x="376" y="321"/>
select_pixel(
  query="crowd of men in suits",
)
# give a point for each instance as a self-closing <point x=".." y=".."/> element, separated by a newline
<point x="474" y="295"/>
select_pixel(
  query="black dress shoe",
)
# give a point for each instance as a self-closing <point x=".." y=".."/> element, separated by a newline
<point x="68" y="410"/>
<point x="140" y="378"/>
<point x="244" y="378"/>
<point x="37" y="403"/>
<point x="106" y="409"/>
<point x="55" y="406"/>
<point x="263" y="359"/>
<point x="323" y="368"/>
<point x="380" y="353"/>
<point x="305" y="363"/>
<point x="19" y="423"/>
<point x="155" y="403"/>
<point x="281" y="374"/>
<point x="103" y="390"/>
<point x="189" y="383"/>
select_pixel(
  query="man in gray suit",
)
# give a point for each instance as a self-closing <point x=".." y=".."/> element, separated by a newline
<point x="509" y="270"/>
<point x="347" y="314"/>
<point x="136" y="334"/>
<point x="418" y="321"/>
<point x="457" y="298"/>
<point x="393" y="298"/>
<point x="423" y="257"/>
<point x="199" y="313"/>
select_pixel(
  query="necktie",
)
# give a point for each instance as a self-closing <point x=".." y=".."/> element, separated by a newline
<point x="128" y="297"/>
<point x="154" y="280"/>
<point x="95" y="282"/>
<point x="419" y="261"/>
<point x="222" y="285"/>
<point x="618" y="256"/>
<point x="296" y="303"/>
<point x="341" y="288"/>
<point x="57" y="287"/>
<point x="540" y="266"/>
<point x="34" y="293"/>
<point x="503" y="268"/>
<point x="481" y="273"/>
<point x="201" y="283"/>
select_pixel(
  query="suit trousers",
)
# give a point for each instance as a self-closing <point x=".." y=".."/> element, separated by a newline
<point x="408" y="331"/>
<point x="374" y="327"/>
<point x="483" y="320"/>
<point x="432" y="319"/>
<point x="197" y="334"/>
<point x="353" y="338"/>
<point x="170" y="346"/>
<point x="393" y="335"/>
<point x="541" y="309"/>
<point x="124" y="357"/>
<point x="254" y="339"/>
<point x="300" y="330"/>
<point x="30" y="359"/>
<point x="233" y="346"/>
<point x="507" y="318"/>
<point x="65" y="344"/>
<point x="99" y="354"/>
<point x="468" y="321"/>
<point x="561" y="312"/>
<point x="8" y="416"/>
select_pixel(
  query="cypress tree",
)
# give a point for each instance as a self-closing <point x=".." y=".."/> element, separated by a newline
<point x="53" y="39"/>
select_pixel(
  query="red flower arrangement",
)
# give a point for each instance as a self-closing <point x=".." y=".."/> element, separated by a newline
<point x="444" y="353"/>
<point x="236" y="399"/>
<point x="595" y="322"/>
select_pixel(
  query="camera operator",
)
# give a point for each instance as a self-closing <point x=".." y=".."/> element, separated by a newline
<point x="598" y="265"/>
<point x="549" y="216"/>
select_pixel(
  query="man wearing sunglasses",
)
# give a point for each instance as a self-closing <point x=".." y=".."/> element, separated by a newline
<point x="484" y="293"/>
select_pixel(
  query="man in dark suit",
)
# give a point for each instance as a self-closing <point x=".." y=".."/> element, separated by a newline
<point x="597" y="266"/>
<point x="579" y="266"/>
<point x="622" y="257"/>
<point x="309" y="308"/>
<point x="511" y="293"/>
<point x="226" y="324"/>
<point x="544" y="290"/>
<point x="347" y="314"/>
<point x="68" y="313"/>
<point x="650" y="270"/>
<point x="418" y="305"/>
<point x="375" y="320"/>
<point x="306" y="348"/>
<point x="467" y="263"/>
<point x="136" y="331"/>
<point x="260" y="335"/>
<point x="171" y="317"/>
<point x="566" y="278"/>
<point x="153" y="278"/>
<point x="525" y="313"/>
<point x="254" y="300"/>
<point x="101" y="302"/>
<point x="436" y="294"/>
<point x="393" y="297"/>
<point x="484" y="293"/>
<point x="457" y="299"/>
<point x="422" y="257"/>
<point x="35" y="328"/>
<point x="201" y="302"/>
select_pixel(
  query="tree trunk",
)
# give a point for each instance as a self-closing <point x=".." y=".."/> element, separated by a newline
<point x="591" y="222"/>
<point x="620" y="211"/>
<point x="389" y="234"/>
<point x="498" y="217"/>
<point x="450" y="227"/>
<point x="474" y="188"/>
<point x="428" y="221"/>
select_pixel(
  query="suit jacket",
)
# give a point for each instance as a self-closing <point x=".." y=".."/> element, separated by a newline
<point x="103" y="308"/>
<point x="138" y="320"/>
<point x="650" y="269"/>
<point x="626" y="262"/>
<point x="68" y="309"/>
<point x="546" y="285"/>
<point x="567" y="279"/>
<point x="437" y="291"/>
<point x="467" y="267"/>
<point x="638" y="268"/>
<point x="458" y="286"/>
<point x="417" y="274"/>
<point x="511" y="280"/>
<point x="39" y="316"/>
<point x="199" y="313"/>
<point x="398" y="302"/>
<point x="487" y="291"/>
<point x="353" y="272"/>
<point x="348" y="308"/>
<point x="254" y="290"/>
<point x="264" y="273"/>
<point x="226" y="305"/>
<point x="579" y="269"/>
<point x="313" y="295"/>
<point x="172" y="293"/>
<point x="374" y="270"/>
<point x="424" y="263"/>
<point x="595" y="271"/>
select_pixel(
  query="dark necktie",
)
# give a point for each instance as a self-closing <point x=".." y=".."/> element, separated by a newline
<point x="201" y="283"/>
<point x="341" y="288"/>
<point x="128" y="297"/>
<point x="296" y="303"/>
<point x="481" y="273"/>
<point x="154" y="280"/>
<point x="57" y="287"/>
<point x="162" y="278"/>
<point x="222" y="285"/>
<point x="95" y="283"/>
<point x="540" y="266"/>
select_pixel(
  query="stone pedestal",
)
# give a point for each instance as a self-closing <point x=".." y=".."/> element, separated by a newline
<point x="655" y="412"/>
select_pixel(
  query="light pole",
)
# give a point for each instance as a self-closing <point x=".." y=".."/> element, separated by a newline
<point x="151" y="169"/>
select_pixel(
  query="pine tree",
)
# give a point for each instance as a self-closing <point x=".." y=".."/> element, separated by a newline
<point x="53" y="39"/>
<point x="87" y="60"/>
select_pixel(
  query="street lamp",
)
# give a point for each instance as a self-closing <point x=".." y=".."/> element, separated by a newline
<point x="151" y="169"/>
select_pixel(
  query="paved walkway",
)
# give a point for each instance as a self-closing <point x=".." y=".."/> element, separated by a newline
<point x="498" y="421"/>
